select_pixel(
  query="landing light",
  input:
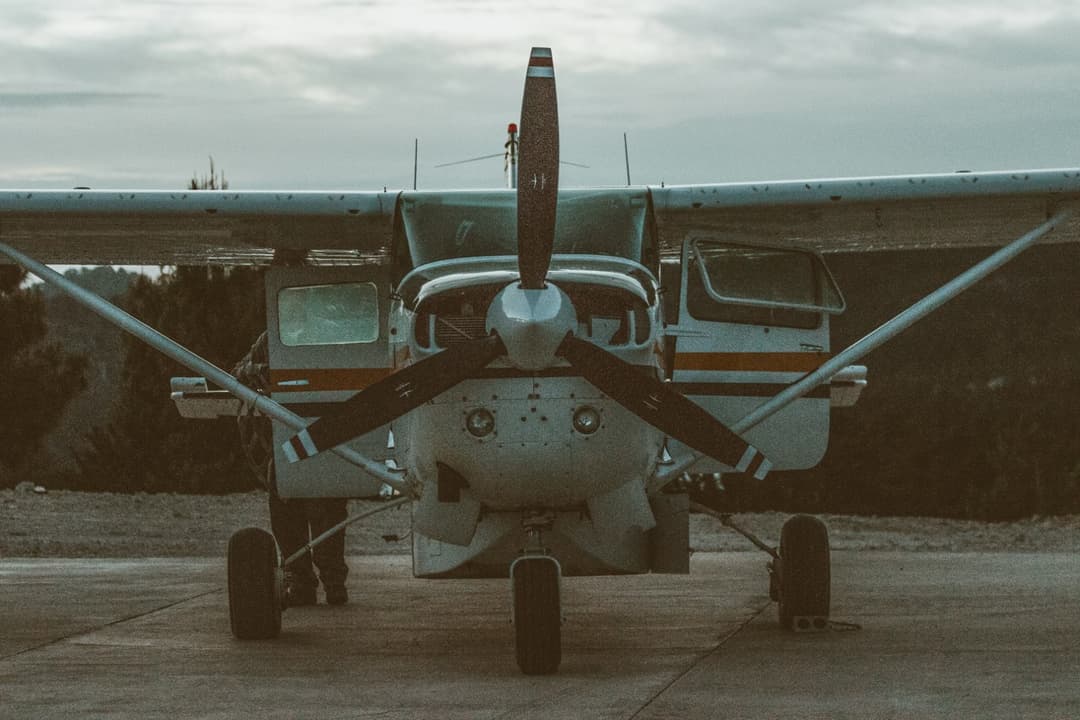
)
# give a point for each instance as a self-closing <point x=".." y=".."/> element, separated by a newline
<point x="586" y="420"/>
<point x="480" y="423"/>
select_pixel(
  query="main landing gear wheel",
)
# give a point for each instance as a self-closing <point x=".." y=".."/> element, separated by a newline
<point x="803" y="582"/>
<point x="537" y="615"/>
<point x="254" y="585"/>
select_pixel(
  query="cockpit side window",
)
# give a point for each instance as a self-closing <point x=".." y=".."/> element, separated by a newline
<point x="760" y="286"/>
<point x="337" y="314"/>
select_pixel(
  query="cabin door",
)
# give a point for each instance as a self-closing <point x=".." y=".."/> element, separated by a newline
<point x="328" y="339"/>
<point x="752" y="320"/>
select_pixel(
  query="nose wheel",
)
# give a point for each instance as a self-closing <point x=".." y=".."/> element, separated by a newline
<point x="254" y="585"/>
<point x="537" y="614"/>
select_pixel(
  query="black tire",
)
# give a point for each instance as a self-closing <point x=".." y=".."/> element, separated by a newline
<point x="254" y="585"/>
<point x="537" y="617"/>
<point x="804" y="580"/>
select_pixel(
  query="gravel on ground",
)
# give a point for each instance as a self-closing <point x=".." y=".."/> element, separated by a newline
<point x="75" y="524"/>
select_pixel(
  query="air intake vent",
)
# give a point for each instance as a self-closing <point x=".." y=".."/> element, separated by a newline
<point x="455" y="329"/>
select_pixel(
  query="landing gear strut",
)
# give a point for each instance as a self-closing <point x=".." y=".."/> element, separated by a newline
<point x="799" y="572"/>
<point x="537" y="614"/>
<point x="256" y="577"/>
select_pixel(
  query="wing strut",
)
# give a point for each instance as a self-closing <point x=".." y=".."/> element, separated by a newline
<point x="872" y="340"/>
<point x="176" y="351"/>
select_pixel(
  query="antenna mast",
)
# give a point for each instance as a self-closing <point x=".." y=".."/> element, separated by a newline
<point x="511" y="156"/>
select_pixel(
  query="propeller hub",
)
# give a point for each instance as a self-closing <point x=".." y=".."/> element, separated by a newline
<point x="531" y="323"/>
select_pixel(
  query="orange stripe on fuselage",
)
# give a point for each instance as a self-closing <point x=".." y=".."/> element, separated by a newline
<point x="751" y="362"/>
<point x="330" y="379"/>
<point x="325" y="379"/>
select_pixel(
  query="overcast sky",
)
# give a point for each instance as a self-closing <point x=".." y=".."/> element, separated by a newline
<point x="331" y="94"/>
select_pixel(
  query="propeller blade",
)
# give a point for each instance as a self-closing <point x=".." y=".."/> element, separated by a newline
<point x="538" y="170"/>
<point x="393" y="396"/>
<point x="663" y="408"/>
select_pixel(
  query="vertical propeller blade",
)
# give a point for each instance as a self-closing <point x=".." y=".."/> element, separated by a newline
<point x="538" y="170"/>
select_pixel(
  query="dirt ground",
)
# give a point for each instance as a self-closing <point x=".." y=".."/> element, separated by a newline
<point x="73" y="524"/>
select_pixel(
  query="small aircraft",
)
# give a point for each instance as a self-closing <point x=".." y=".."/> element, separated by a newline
<point x="533" y="369"/>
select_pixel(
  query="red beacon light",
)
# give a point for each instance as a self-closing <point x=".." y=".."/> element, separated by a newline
<point x="511" y="128"/>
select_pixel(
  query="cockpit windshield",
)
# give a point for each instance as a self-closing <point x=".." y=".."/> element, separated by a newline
<point x="447" y="225"/>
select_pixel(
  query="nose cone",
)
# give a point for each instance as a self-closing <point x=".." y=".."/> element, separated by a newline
<point x="531" y="323"/>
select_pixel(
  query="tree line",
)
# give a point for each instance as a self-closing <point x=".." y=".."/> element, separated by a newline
<point x="37" y="377"/>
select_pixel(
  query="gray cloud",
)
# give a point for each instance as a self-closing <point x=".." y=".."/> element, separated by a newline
<point x="333" y="94"/>
<point x="18" y="100"/>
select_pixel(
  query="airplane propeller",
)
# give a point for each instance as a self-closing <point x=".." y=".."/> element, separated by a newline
<point x="532" y="323"/>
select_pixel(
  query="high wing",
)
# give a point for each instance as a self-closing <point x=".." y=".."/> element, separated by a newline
<point x="963" y="209"/>
<point x="246" y="227"/>
<point x="156" y="227"/>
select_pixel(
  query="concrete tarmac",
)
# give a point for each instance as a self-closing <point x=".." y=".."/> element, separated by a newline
<point x="943" y="635"/>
